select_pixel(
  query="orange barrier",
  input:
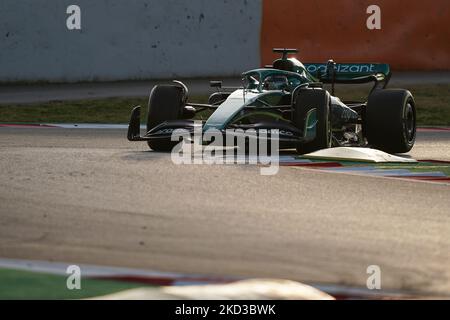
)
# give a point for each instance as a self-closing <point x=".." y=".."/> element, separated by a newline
<point x="414" y="35"/>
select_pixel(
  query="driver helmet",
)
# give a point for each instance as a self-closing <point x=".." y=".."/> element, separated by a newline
<point x="276" y="82"/>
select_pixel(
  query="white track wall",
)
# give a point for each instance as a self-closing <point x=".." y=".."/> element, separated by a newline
<point x="134" y="39"/>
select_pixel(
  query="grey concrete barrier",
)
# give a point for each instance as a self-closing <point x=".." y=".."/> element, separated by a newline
<point x="135" y="39"/>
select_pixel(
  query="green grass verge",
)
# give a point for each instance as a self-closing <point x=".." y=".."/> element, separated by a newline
<point x="413" y="167"/>
<point x="17" y="284"/>
<point x="419" y="167"/>
<point x="433" y="107"/>
<point x="108" y="110"/>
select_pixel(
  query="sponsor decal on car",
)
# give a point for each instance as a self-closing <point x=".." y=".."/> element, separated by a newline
<point x="165" y="131"/>
<point x="343" y="68"/>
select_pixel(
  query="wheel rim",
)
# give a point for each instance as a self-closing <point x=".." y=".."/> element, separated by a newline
<point x="409" y="122"/>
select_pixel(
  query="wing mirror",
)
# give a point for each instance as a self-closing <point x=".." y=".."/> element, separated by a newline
<point x="215" y="84"/>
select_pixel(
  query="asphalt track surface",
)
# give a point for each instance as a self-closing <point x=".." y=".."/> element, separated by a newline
<point x="89" y="196"/>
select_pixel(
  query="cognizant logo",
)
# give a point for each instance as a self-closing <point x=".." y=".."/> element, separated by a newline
<point x="343" y="68"/>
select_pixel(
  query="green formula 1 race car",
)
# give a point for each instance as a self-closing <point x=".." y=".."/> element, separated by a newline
<point x="289" y="97"/>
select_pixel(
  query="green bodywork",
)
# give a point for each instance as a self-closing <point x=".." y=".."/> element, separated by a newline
<point x="230" y="108"/>
<point x="254" y="93"/>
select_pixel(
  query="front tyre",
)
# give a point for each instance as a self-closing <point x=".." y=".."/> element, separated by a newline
<point x="390" y="120"/>
<point x="166" y="102"/>
<point x="306" y="100"/>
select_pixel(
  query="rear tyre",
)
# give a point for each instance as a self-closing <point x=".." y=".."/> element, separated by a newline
<point x="306" y="100"/>
<point x="390" y="120"/>
<point x="166" y="102"/>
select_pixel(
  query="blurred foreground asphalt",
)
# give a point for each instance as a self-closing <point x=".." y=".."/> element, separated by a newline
<point x="89" y="196"/>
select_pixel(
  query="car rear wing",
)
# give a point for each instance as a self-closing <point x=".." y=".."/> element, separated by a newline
<point x="350" y="73"/>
